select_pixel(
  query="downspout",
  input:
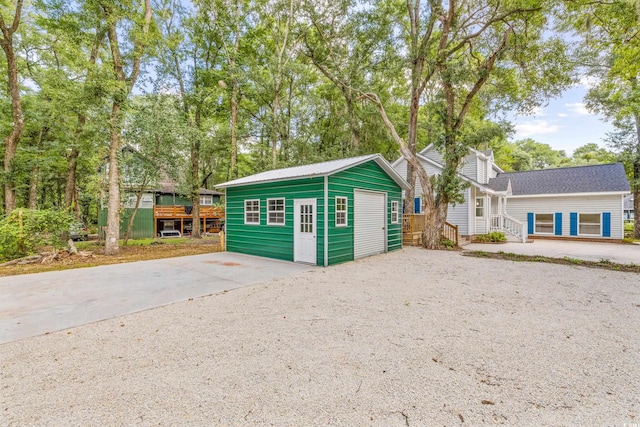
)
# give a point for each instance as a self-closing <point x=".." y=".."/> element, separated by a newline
<point x="326" y="221"/>
<point x="471" y="206"/>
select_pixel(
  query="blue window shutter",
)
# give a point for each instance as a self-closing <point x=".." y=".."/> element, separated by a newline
<point x="606" y="224"/>
<point x="558" y="225"/>
<point x="416" y="205"/>
<point x="530" y="222"/>
<point x="573" y="226"/>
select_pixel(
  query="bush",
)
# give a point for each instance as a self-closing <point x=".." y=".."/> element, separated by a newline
<point x="24" y="231"/>
<point x="493" y="237"/>
<point x="449" y="244"/>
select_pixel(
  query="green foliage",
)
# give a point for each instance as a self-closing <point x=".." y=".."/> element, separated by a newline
<point x="448" y="244"/>
<point x="493" y="237"/>
<point x="24" y="231"/>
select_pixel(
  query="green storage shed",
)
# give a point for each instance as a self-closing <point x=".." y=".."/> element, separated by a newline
<point x="322" y="214"/>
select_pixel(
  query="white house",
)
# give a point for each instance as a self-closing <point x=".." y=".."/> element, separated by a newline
<point x="574" y="202"/>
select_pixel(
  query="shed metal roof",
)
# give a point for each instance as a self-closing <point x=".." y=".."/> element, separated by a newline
<point x="578" y="179"/>
<point x="317" y="169"/>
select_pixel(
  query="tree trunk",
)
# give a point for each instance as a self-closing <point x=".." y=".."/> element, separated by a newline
<point x="70" y="190"/>
<point x="195" y="181"/>
<point x="70" y="187"/>
<point x="412" y="135"/>
<point x="132" y="218"/>
<point x="274" y="135"/>
<point x="635" y="187"/>
<point x="12" y="140"/>
<point x="233" y="167"/>
<point x="113" y="205"/>
<point x="119" y="98"/>
<point x="33" y="189"/>
<point x="354" y="125"/>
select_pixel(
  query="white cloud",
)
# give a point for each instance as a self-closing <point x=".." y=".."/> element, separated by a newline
<point x="537" y="127"/>
<point x="578" y="108"/>
<point x="562" y="115"/>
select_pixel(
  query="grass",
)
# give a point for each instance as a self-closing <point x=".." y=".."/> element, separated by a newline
<point x="509" y="256"/>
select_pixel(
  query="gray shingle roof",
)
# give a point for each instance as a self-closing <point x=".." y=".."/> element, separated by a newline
<point x="578" y="179"/>
<point x="316" y="169"/>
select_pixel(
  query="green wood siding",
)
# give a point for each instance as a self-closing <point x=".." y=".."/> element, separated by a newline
<point x="273" y="241"/>
<point x="142" y="224"/>
<point x="367" y="176"/>
<point x="171" y="200"/>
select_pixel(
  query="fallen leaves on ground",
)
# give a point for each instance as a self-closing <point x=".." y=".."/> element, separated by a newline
<point x="67" y="261"/>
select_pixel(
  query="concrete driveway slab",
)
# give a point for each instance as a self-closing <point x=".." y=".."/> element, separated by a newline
<point x="35" y="304"/>
<point x="587" y="251"/>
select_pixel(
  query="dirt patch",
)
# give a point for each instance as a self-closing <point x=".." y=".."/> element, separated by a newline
<point x="156" y="250"/>
<point x="227" y="263"/>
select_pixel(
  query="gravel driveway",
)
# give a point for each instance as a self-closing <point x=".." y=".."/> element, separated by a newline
<point x="412" y="338"/>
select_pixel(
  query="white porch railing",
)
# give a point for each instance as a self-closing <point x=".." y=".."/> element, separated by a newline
<point x="504" y="222"/>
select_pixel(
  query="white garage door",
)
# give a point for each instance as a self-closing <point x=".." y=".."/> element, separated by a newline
<point x="369" y="223"/>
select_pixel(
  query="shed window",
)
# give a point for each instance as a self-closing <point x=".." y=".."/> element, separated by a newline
<point x="589" y="224"/>
<point x="341" y="211"/>
<point x="206" y="199"/>
<point x="395" y="212"/>
<point x="544" y="223"/>
<point x="252" y="211"/>
<point x="479" y="207"/>
<point x="275" y="211"/>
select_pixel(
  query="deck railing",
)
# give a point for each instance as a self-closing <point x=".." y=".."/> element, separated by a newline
<point x="450" y="232"/>
<point x="185" y="212"/>
<point x="504" y="222"/>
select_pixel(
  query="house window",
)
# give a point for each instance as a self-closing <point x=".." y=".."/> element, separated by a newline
<point x="544" y="224"/>
<point x="252" y="211"/>
<point x="589" y="224"/>
<point x="341" y="211"/>
<point x="275" y="211"/>
<point x="206" y="200"/>
<point x="395" y="212"/>
<point x="479" y="207"/>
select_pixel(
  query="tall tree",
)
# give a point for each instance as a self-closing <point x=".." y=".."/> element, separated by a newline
<point x="155" y="134"/>
<point x="189" y="60"/>
<point x="609" y="51"/>
<point x="12" y="140"/>
<point x="115" y="14"/>
<point x="230" y="22"/>
<point x="455" y="48"/>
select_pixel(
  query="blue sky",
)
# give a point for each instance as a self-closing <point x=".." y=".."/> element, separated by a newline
<point x="564" y="123"/>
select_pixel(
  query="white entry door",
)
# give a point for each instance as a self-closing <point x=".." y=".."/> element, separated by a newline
<point x="304" y="231"/>
<point x="369" y="223"/>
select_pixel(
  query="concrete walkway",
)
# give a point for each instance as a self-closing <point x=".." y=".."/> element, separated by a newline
<point x="587" y="251"/>
<point x="35" y="304"/>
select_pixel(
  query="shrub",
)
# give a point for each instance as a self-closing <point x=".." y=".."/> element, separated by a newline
<point x="26" y="230"/>
<point x="493" y="237"/>
<point x="449" y="244"/>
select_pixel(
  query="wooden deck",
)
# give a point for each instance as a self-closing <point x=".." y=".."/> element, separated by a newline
<point x="413" y="226"/>
<point x="181" y="217"/>
<point x="168" y="212"/>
